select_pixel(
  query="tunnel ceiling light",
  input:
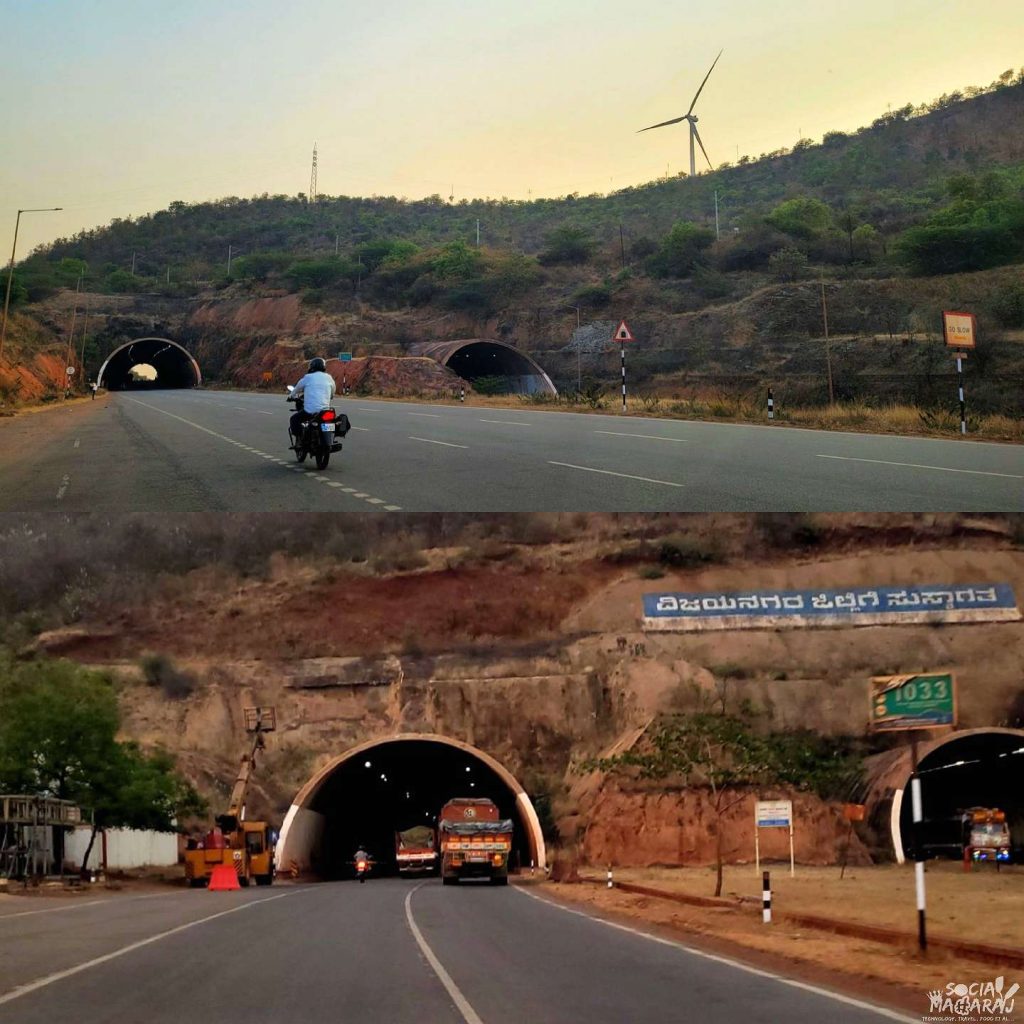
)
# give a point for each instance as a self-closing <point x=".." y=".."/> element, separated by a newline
<point x="366" y="764"/>
<point x="468" y="769"/>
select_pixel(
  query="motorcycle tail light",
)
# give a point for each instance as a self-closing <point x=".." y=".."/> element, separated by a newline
<point x="361" y="865"/>
<point x="328" y="415"/>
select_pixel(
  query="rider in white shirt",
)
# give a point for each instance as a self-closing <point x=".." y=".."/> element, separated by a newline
<point x="315" y="391"/>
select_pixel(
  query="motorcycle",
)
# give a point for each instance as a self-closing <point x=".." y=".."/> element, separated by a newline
<point x="320" y="435"/>
<point x="362" y="868"/>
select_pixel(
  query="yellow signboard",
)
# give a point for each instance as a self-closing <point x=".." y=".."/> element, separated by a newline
<point x="960" y="330"/>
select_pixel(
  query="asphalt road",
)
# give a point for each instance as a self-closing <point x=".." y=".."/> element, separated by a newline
<point x="387" y="951"/>
<point x="177" y="451"/>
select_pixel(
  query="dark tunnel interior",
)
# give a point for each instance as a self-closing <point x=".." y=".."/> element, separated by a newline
<point x="395" y="786"/>
<point x="483" y="359"/>
<point x="173" y="365"/>
<point x="984" y="770"/>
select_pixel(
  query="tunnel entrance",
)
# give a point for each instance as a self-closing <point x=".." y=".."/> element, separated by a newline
<point x="506" y="369"/>
<point x="171" y="366"/>
<point x="367" y="794"/>
<point x="982" y="768"/>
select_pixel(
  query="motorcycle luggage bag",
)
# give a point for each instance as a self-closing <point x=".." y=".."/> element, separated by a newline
<point x="342" y="425"/>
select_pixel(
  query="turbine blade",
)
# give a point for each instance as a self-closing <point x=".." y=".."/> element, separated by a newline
<point x="675" y="120"/>
<point x="701" y="144"/>
<point x="705" y="82"/>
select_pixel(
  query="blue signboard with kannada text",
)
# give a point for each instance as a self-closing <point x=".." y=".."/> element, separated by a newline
<point x="854" y="606"/>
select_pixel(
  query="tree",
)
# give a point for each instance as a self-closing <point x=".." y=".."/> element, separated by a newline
<point x="681" y="250"/>
<point x="456" y="262"/>
<point x="718" y="752"/>
<point x="568" y="244"/>
<point x="58" y="729"/>
<point x="802" y="217"/>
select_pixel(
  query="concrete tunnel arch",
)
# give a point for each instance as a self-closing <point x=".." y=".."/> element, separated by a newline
<point x="472" y="358"/>
<point x="174" y="364"/>
<point x="305" y="823"/>
<point x="994" y="742"/>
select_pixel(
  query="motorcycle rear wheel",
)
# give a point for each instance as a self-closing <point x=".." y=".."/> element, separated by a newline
<point x="322" y="458"/>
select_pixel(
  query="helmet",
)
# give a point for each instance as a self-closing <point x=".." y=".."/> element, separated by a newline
<point x="317" y="365"/>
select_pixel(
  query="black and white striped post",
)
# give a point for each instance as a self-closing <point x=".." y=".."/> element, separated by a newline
<point x="960" y="388"/>
<point x="622" y="351"/>
<point x="915" y="796"/>
<point x="462" y="393"/>
<point x="766" y="898"/>
<point x="771" y="404"/>
<point x="611" y="883"/>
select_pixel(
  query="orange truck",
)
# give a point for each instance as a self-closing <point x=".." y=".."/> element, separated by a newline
<point x="476" y="842"/>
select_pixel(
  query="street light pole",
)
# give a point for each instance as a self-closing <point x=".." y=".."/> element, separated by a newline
<point x="10" y="267"/>
<point x="578" y="377"/>
<point x="828" y="347"/>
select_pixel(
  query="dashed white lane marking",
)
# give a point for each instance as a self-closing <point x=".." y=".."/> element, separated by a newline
<point x="78" y="441"/>
<point x="650" y="437"/>
<point x="49" y="979"/>
<point x="65" y="480"/>
<point x="849" y="1000"/>
<point x="914" y="465"/>
<point x="430" y="440"/>
<point x="509" y="423"/>
<point x="608" y="472"/>
<point x="432" y="415"/>
<point x="247" y="448"/>
<point x="365" y="430"/>
<point x="462" y="1004"/>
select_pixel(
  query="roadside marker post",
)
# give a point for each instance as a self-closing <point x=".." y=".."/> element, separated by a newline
<point x="611" y="883"/>
<point x="771" y="404"/>
<point x="766" y="898"/>
<point x="622" y="335"/>
<point x="961" y="332"/>
<point x="462" y="393"/>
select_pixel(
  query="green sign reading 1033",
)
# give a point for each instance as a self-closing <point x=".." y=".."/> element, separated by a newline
<point x="913" y="702"/>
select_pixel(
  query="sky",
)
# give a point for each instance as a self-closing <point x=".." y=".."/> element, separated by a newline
<point x="114" y="109"/>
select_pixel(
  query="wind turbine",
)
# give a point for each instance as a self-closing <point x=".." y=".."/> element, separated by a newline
<point x="692" y="119"/>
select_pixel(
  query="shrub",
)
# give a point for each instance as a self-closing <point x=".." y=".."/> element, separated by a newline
<point x="568" y="244"/>
<point x="159" y="670"/>
<point x="788" y="264"/>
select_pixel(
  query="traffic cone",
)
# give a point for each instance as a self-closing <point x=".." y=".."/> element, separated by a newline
<point x="222" y="877"/>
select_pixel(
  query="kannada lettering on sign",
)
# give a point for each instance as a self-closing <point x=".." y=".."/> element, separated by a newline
<point x="857" y="606"/>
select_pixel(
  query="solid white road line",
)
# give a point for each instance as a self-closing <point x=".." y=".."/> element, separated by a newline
<point x="510" y="423"/>
<point x="914" y="465"/>
<point x="739" y="965"/>
<point x="650" y="437"/>
<point x="32" y="986"/>
<point x="608" y="472"/>
<point x="445" y="443"/>
<point x="469" y="1015"/>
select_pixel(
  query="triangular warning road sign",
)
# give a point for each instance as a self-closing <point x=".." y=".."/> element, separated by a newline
<point x="622" y="333"/>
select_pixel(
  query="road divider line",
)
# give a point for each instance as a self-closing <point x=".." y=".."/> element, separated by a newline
<point x="432" y="415"/>
<point x="365" y="430"/>
<point x="49" y="979"/>
<point x="462" y="1004"/>
<point x="430" y="440"/>
<point x="914" y="465"/>
<point x="245" y="447"/>
<point x="78" y="441"/>
<point x="510" y="423"/>
<point x="62" y="490"/>
<point x="608" y="472"/>
<point x="728" y="961"/>
<point x="650" y="437"/>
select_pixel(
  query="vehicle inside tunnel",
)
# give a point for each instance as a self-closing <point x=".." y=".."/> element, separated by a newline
<point x="397" y="785"/>
<point x="982" y="770"/>
<point x="149" y="363"/>
<point x="508" y="370"/>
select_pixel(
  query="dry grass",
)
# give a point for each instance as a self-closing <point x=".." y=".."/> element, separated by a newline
<point x="977" y="906"/>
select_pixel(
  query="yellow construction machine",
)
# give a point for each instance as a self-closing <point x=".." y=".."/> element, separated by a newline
<point x="244" y="845"/>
